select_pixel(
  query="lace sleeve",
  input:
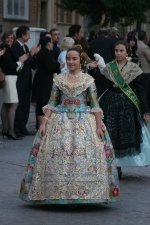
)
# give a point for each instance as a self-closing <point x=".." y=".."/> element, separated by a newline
<point x="92" y="96"/>
<point x="107" y="73"/>
<point x="54" y="99"/>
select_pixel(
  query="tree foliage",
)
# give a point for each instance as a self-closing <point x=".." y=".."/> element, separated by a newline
<point x="104" y="11"/>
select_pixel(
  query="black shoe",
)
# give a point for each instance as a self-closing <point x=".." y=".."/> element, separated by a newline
<point x="10" y="136"/>
<point x="5" y="134"/>
<point x="19" y="135"/>
<point x="120" y="175"/>
<point x="119" y="172"/>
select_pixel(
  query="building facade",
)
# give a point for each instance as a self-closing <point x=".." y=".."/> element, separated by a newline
<point x="46" y="14"/>
<point x="36" y="13"/>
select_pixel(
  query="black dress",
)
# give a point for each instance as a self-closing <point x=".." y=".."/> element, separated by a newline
<point x="43" y="79"/>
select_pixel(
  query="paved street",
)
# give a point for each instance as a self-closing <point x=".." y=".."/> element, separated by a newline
<point x="133" y="208"/>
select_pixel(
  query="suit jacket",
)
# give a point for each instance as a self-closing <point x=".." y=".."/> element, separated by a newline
<point x="8" y="61"/>
<point x="56" y="51"/>
<point x="43" y="79"/>
<point x="24" y="81"/>
<point x="105" y="47"/>
<point x="143" y="52"/>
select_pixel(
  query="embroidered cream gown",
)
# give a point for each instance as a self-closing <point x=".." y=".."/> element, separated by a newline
<point x="70" y="164"/>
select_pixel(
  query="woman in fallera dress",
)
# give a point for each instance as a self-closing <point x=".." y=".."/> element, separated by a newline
<point x="72" y="159"/>
<point x="126" y="109"/>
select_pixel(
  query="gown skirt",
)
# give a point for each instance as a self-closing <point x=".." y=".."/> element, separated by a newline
<point x="70" y="164"/>
<point x="128" y="133"/>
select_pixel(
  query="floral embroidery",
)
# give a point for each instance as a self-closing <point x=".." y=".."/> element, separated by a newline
<point x="69" y="102"/>
<point x="115" y="192"/>
<point x="34" y="152"/>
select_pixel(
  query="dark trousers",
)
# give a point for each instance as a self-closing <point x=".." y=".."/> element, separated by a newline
<point x="23" y="110"/>
<point x="145" y="79"/>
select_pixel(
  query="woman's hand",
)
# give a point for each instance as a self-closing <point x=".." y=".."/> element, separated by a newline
<point x="38" y="48"/>
<point x="2" y="51"/>
<point x="23" y="58"/>
<point x="42" y="130"/>
<point x="33" y="50"/>
<point x="100" y="133"/>
<point x="147" y="118"/>
<point x="93" y="64"/>
<point x="62" y="65"/>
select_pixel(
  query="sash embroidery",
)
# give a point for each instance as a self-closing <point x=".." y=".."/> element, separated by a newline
<point x="116" y="74"/>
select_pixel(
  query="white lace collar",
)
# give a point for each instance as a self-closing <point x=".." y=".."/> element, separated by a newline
<point x="66" y="87"/>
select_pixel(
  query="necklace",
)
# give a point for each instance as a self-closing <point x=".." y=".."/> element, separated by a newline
<point x="72" y="84"/>
<point x="74" y="75"/>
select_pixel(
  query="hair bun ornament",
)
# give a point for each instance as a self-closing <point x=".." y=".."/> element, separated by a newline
<point x="79" y="46"/>
<point x="82" y="54"/>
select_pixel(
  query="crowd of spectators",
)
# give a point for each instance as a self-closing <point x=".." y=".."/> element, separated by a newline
<point x="47" y="58"/>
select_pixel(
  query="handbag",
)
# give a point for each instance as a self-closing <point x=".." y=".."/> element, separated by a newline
<point x="2" y="80"/>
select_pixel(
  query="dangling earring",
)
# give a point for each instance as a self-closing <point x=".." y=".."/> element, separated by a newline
<point x="127" y="56"/>
<point x="80" y="67"/>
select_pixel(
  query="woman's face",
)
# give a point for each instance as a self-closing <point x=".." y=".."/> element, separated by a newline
<point x="9" y="40"/>
<point x="120" y="52"/>
<point x="73" y="61"/>
<point x="131" y="43"/>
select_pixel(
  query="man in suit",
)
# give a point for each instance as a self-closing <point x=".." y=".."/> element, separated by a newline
<point x="143" y="52"/>
<point x="103" y="46"/>
<point x="55" y="36"/>
<point x="75" y="31"/>
<point x="24" y="81"/>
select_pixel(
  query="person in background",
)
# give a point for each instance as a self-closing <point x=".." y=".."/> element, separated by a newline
<point x="75" y="32"/>
<point x="24" y="81"/>
<point x="143" y="52"/>
<point x="91" y="35"/>
<point x="55" y="36"/>
<point x="43" y="79"/>
<point x="45" y="33"/>
<point x="65" y="44"/>
<point x="86" y="36"/>
<point x="84" y="43"/>
<point x="113" y="33"/>
<point x="133" y="48"/>
<point x="104" y="46"/>
<point x="10" y="67"/>
<point x="147" y="41"/>
<point x="2" y="75"/>
<point x="133" y="33"/>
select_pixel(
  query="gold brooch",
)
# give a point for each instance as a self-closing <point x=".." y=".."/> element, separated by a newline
<point x="115" y="72"/>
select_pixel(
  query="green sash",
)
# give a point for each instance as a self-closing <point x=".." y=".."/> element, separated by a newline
<point x="116" y="74"/>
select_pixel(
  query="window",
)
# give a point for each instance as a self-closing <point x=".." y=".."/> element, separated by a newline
<point x="64" y="16"/>
<point x="16" y="9"/>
